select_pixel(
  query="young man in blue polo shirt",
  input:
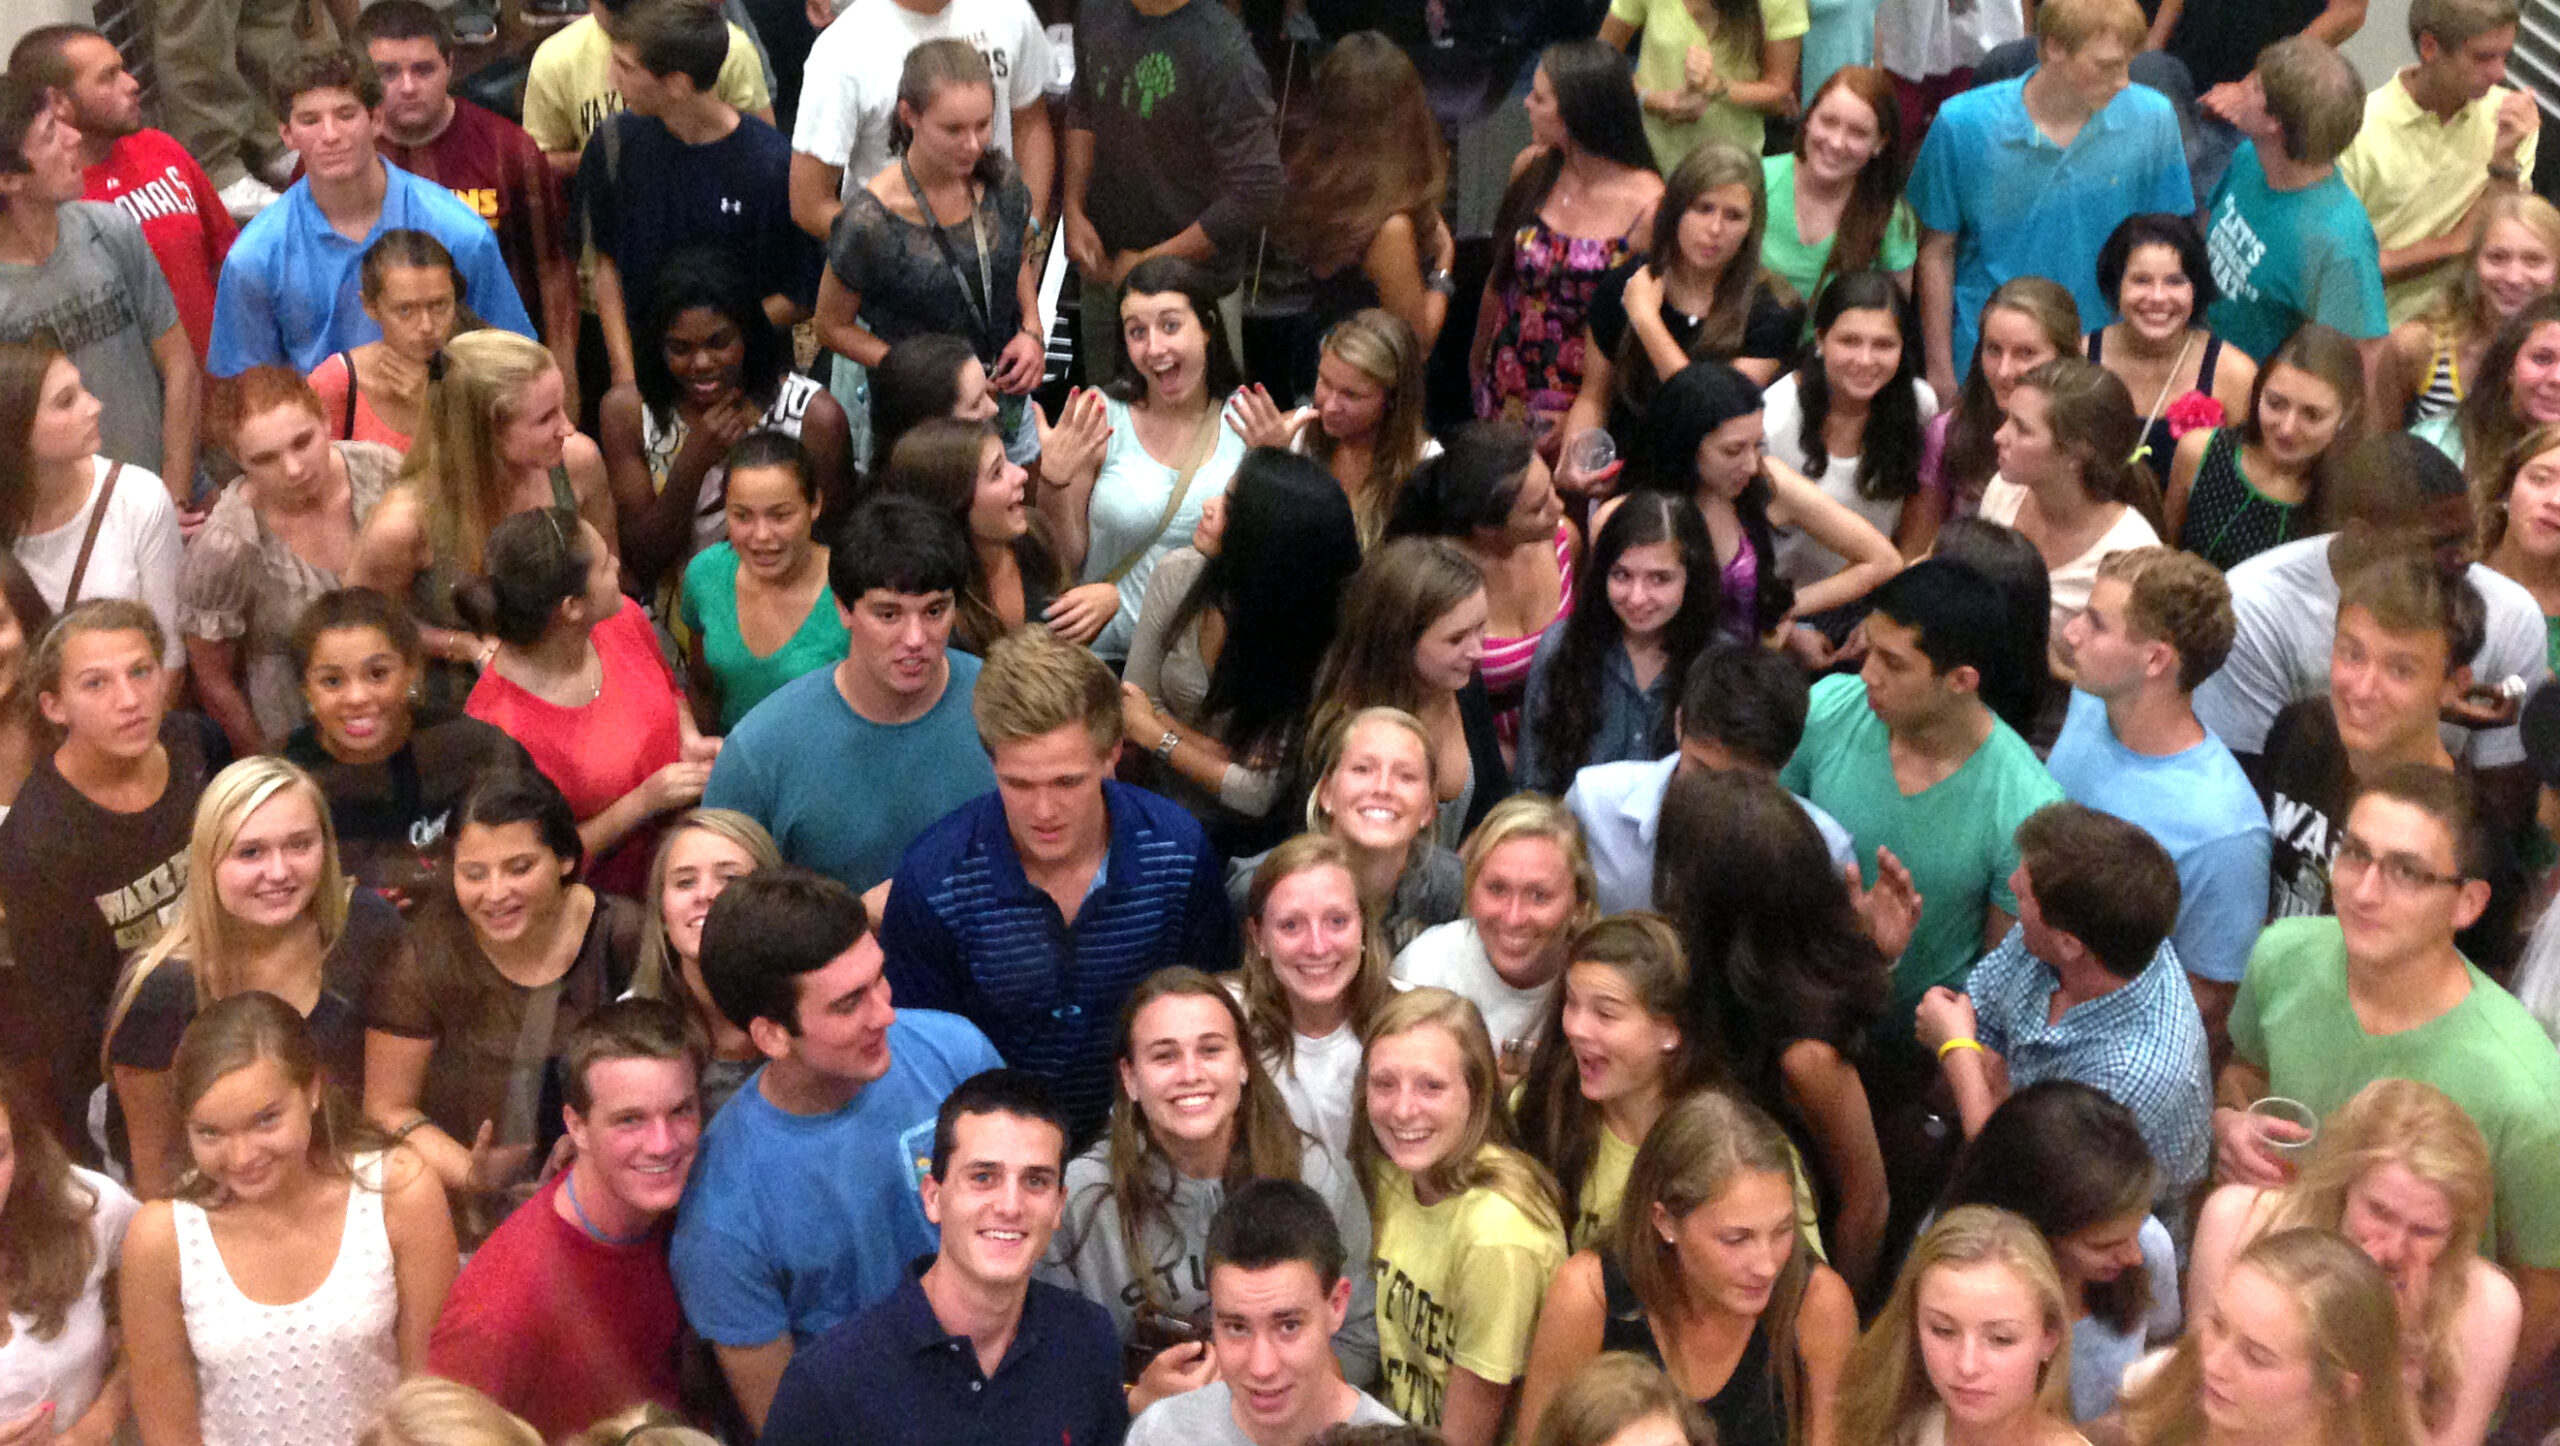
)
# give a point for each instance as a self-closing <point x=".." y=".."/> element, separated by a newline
<point x="2085" y="987"/>
<point x="291" y="290"/>
<point x="969" y="1348"/>
<point x="2289" y="241"/>
<point x="1036" y="909"/>
<point x="2029" y="176"/>
<point x="803" y="1208"/>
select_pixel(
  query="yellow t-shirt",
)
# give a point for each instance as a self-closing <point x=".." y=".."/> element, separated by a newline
<point x="2416" y="175"/>
<point x="1459" y="1284"/>
<point x="1595" y="1215"/>
<point x="1662" y="62"/>
<point x="568" y="87"/>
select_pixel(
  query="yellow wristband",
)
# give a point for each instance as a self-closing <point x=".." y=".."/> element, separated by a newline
<point x="1961" y="1041"/>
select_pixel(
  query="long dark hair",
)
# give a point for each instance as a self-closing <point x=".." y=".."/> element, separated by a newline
<point x="2093" y="422"/>
<point x="23" y="365"/>
<point x="937" y="460"/>
<point x="1858" y="242"/>
<point x="1776" y="951"/>
<point x="1472" y="485"/>
<point x="2066" y="1157"/>
<point x="1698" y="399"/>
<point x="1569" y="699"/>
<point x="1889" y="449"/>
<point x="1597" y="103"/>
<point x="1156" y="276"/>
<point x="2487" y="421"/>
<point x="919" y="378"/>
<point x="537" y="560"/>
<point x="1290" y="548"/>
<point x="47" y="1248"/>
<point x="699" y="276"/>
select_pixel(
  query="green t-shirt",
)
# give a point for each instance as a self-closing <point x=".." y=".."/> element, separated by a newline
<point x="710" y="608"/>
<point x="2294" y="1020"/>
<point x="1662" y="59"/>
<point x="1956" y="836"/>
<point x="1800" y="261"/>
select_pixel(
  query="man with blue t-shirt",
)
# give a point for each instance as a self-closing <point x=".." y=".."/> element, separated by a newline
<point x="2158" y="623"/>
<point x="803" y="1207"/>
<point x="2030" y="176"/>
<point x="292" y="292"/>
<point x="2289" y="241"/>
<point x="845" y="766"/>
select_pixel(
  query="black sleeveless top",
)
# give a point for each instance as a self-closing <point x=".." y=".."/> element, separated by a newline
<point x="1748" y="1411"/>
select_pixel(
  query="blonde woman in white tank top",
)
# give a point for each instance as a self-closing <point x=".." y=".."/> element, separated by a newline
<point x="293" y="1282"/>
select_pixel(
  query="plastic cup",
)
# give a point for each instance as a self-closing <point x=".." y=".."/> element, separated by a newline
<point x="2276" y="1109"/>
<point x="1590" y="451"/>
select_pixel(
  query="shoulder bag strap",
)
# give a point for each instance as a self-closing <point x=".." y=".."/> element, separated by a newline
<point x="347" y="424"/>
<point x="1203" y="446"/>
<point x="89" y="539"/>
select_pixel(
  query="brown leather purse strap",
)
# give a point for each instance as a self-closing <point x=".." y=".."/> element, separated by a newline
<point x="89" y="539"/>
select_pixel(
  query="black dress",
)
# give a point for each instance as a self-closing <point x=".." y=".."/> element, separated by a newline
<point x="1747" y="1411"/>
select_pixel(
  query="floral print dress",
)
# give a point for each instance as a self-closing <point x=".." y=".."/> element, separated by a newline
<point x="1535" y="369"/>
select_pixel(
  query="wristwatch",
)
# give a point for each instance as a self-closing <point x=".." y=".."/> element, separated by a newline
<point x="1438" y="279"/>
<point x="2510" y="173"/>
<point x="1166" y="745"/>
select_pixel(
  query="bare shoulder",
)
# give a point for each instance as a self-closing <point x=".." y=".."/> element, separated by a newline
<point x="151" y="1240"/>
<point x="1527" y="157"/>
<point x="1827" y="1322"/>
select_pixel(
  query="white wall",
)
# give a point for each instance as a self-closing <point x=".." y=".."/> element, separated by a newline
<point x="22" y="16"/>
<point x="2382" y="46"/>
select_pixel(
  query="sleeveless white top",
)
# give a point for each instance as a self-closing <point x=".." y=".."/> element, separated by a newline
<point x="659" y="446"/>
<point x="312" y="1373"/>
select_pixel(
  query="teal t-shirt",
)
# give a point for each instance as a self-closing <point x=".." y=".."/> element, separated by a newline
<point x="710" y="607"/>
<point x="1956" y="836"/>
<point x="1800" y="261"/>
<point x="2281" y="258"/>
<point x="2293" y="1018"/>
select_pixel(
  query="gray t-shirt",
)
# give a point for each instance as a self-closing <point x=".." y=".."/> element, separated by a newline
<point x="102" y="296"/>
<point x="1207" y="1417"/>
<point x="2286" y="600"/>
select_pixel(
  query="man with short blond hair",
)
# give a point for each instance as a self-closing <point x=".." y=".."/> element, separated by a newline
<point x="2439" y="138"/>
<point x="1035" y="909"/>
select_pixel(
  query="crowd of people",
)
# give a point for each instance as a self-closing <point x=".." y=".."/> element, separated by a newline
<point x="1903" y="795"/>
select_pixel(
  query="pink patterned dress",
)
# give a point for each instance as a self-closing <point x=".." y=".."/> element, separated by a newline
<point x="1535" y="369"/>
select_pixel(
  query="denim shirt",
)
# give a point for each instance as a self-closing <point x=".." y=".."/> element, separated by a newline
<point x="1634" y="722"/>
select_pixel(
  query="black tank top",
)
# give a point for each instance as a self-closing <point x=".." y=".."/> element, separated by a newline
<point x="1747" y="1412"/>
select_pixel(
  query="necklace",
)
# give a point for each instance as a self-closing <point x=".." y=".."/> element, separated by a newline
<point x="569" y="1187"/>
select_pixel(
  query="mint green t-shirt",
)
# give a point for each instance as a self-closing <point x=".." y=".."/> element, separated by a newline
<point x="1800" y="261"/>
<point x="1956" y="836"/>
<point x="2294" y="1020"/>
<point x="710" y="609"/>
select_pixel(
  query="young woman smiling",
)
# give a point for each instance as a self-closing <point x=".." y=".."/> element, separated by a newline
<point x="1611" y="1058"/>
<point x="295" y="1278"/>
<point x="1835" y="204"/>
<point x="1366" y="425"/>
<point x="2067" y="481"/>
<point x="2519" y="521"/>
<point x="1118" y="503"/>
<point x="60" y="1230"/>
<point x="1314" y="974"/>
<point x="391" y="774"/>
<point x="702" y="850"/>
<point x="377" y="392"/>
<point x="2405" y="1175"/>
<point x="1974" y="1348"/>
<point x="1195" y="1116"/>
<point x="2515" y="258"/>
<point x="1016" y="579"/>
<point x="265" y="907"/>
<point x="2028" y="321"/>
<point x="579" y="680"/>
<point x="1697" y="295"/>
<point x="1373" y="794"/>
<point x="2234" y="492"/>
<point x="1421" y="608"/>
<point x="1602" y="686"/>
<point x="1529" y="891"/>
<point x="708" y="369"/>
<point x="1222" y="667"/>
<point x="1467" y="1230"/>
<point x="1853" y="420"/>
<point x="1703" y="1271"/>
<point x="755" y="605"/>
<point x="2518" y="389"/>
<point x="2072" y="1163"/>
<point x="2299" y="1345"/>
<point x="268" y="547"/>
<point x="456" y="1052"/>
<point x="2184" y="377"/>
<point x="495" y="440"/>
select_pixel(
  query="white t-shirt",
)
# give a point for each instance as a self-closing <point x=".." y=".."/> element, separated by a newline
<point x="1318" y="1083"/>
<point x="2074" y="580"/>
<point x="1452" y="957"/>
<point x="68" y="1369"/>
<point x="1916" y="39"/>
<point x="138" y="553"/>
<point x="1207" y="1417"/>
<point x="1801" y="560"/>
<point x="849" y="91"/>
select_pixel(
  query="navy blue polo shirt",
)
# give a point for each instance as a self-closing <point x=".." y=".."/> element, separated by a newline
<point x="892" y="1376"/>
<point x="965" y="931"/>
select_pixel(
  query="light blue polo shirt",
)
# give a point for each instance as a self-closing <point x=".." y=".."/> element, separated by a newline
<point x="292" y="290"/>
<point x="2019" y="205"/>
